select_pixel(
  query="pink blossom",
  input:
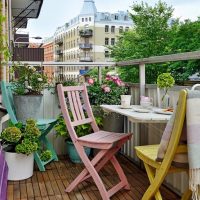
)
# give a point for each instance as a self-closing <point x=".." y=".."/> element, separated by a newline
<point x="103" y="86"/>
<point x="90" y="81"/>
<point x="106" y="89"/>
<point x="108" y="77"/>
<point x="118" y="82"/>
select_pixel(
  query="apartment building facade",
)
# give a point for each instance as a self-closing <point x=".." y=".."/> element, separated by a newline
<point x="86" y="37"/>
<point x="49" y="57"/>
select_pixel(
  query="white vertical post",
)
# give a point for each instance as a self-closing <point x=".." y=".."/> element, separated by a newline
<point x="99" y="75"/>
<point x="142" y="79"/>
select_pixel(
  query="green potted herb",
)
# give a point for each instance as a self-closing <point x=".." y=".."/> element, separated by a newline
<point x="165" y="81"/>
<point x="19" y="143"/>
<point x="81" y="130"/>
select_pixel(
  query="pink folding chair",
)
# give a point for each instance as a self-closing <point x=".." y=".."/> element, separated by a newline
<point x="108" y="143"/>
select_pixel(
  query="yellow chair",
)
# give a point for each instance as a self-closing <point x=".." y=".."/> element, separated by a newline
<point x="157" y="171"/>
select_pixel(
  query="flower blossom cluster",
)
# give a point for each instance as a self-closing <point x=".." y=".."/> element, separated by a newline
<point x="115" y="79"/>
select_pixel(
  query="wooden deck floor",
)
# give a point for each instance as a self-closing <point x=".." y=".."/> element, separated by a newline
<point x="50" y="185"/>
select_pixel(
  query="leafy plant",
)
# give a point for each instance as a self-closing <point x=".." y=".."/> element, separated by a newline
<point x="21" y="139"/>
<point x="45" y="155"/>
<point x="81" y="130"/>
<point x="28" y="81"/>
<point x="26" y="147"/>
<point x="11" y="135"/>
<point x="108" y="92"/>
<point x="165" y="81"/>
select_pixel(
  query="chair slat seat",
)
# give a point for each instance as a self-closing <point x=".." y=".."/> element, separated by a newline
<point x="149" y="154"/>
<point x="102" y="139"/>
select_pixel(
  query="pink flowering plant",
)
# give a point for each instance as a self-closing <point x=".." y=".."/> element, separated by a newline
<point x="108" y="92"/>
<point x="27" y="80"/>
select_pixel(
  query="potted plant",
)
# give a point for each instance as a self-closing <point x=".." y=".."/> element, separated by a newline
<point x="19" y="142"/>
<point x="81" y="130"/>
<point x="27" y="85"/>
<point x="108" y="92"/>
<point x="165" y="81"/>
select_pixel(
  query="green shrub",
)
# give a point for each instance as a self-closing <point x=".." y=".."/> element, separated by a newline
<point x="45" y="155"/>
<point x="20" y="139"/>
<point x="11" y="135"/>
<point x="165" y="81"/>
<point x="26" y="147"/>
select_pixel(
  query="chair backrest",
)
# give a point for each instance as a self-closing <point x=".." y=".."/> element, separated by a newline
<point x="7" y="99"/>
<point x="174" y="146"/>
<point x="76" y="110"/>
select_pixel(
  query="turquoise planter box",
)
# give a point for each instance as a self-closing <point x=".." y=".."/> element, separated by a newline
<point x="73" y="155"/>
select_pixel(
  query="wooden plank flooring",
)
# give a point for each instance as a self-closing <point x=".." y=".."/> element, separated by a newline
<point x="50" y="185"/>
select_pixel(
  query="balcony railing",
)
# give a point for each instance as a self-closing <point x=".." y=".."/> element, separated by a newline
<point x="59" y="41"/>
<point x="59" y="52"/>
<point x="85" y="46"/>
<point x="86" y="33"/>
<point x="86" y="59"/>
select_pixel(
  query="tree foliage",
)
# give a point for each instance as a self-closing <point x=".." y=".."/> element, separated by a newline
<point x="156" y="33"/>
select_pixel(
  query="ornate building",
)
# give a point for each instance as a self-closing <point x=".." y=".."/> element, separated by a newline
<point x="85" y="38"/>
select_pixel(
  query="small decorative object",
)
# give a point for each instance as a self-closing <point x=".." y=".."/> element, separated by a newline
<point x="165" y="81"/>
<point x="27" y="85"/>
<point x="125" y="101"/>
<point x="19" y="143"/>
<point x="146" y="102"/>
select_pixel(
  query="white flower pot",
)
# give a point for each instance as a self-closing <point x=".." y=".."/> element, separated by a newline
<point x="20" y="166"/>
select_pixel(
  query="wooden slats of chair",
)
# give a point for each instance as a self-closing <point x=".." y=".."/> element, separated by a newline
<point x="79" y="105"/>
<point x="73" y="88"/>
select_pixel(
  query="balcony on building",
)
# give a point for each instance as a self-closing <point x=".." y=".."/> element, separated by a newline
<point x="59" y="52"/>
<point x="85" y="46"/>
<point x="59" y="41"/>
<point x="86" y="59"/>
<point x="86" y="33"/>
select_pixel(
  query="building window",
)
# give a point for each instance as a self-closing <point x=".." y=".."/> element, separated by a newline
<point x="86" y="19"/>
<point x="112" y="29"/>
<point x="106" y="41"/>
<point x="116" y="17"/>
<point x="106" y="28"/>
<point x="82" y="19"/>
<point x="90" y="19"/>
<point x="112" y="41"/>
<point x="121" y="29"/>
<point x="126" y="29"/>
<point x="125" y="17"/>
<point x="107" y="54"/>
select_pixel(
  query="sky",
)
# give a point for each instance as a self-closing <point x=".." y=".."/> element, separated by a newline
<point x="56" y="13"/>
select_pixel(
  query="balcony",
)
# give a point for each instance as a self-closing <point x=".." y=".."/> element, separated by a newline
<point x="85" y="46"/>
<point x="59" y="52"/>
<point x="59" y="41"/>
<point x="86" y="59"/>
<point x="86" y="33"/>
<point x="51" y="183"/>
